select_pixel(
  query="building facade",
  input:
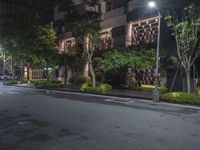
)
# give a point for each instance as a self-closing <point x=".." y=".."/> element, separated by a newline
<point x="126" y="23"/>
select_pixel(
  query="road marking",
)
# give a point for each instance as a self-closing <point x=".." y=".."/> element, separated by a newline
<point x="12" y="93"/>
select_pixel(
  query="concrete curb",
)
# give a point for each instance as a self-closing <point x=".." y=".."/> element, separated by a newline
<point x="136" y="98"/>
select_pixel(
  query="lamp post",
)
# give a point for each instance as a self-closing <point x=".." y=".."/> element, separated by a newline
<point x="156" y="94"/>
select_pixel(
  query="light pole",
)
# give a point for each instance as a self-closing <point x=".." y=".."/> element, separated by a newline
<point x="156" y="94"/>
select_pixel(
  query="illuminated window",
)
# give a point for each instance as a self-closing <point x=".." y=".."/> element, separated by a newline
<point x="145" y="31"/>
<point x="106" y="38"/>
<point x="69" y="44"/>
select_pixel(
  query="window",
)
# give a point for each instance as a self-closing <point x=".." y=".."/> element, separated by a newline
<point x="145" y="31"/>
<point x="108" y="6"/>
<point x="106" y="38"/>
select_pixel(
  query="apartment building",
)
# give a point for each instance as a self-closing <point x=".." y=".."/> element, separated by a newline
<point x="123" y="23"/>
<point x="126" y="23"/>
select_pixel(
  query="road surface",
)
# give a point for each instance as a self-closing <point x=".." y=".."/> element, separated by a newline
<point x="35" y="120"/>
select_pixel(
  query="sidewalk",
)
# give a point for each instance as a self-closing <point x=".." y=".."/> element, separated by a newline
<point x="115" y="92"/>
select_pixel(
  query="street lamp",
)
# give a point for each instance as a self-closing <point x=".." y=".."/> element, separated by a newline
<point x="156" y="94"/>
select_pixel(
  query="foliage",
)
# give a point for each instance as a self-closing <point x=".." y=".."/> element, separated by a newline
<point x="198" y="90"/>
<point x="186" y="30"/>
<point x="151" y="88"/>
<point x="10" y="82"/>
<point x="100" y="88"/>
<point x="181" y="98"/>
<point x="103" y="87"/>
<point x="84" y="87"/>
<point x="79" y="22"/>
<point x="28" y="40"/>
<point x="116" y="59"/>
<point x="46" y="84"/>
<point x="79" y="80"/>
<point x="83" y="24"/>
<point x="45" y="43"/>
<point x="74" y="59"/>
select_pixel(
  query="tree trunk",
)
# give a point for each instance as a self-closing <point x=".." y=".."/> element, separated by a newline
<point x="188" y="80"/>
<point x="174" y="79"/>
<point x="92" y="73"/>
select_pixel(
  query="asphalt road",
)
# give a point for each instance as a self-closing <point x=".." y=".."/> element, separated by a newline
<point x="36" y="120"/>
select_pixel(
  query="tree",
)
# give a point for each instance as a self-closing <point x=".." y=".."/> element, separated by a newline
<point x="186" y="30"/>
<point x="117" y="62"/>
<point x="45" y="46"/>
<point x="83" y="25"/>
<point x="29" y="40"/>
<point x="116" y="59"/>
<point x="93" y="43"/>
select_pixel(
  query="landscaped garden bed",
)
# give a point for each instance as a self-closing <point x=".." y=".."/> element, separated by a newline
<point x="100" y="88"/>
<point x="46" y="84"/>
<point x="181" y="98"/>
<point x="151" y="88"/>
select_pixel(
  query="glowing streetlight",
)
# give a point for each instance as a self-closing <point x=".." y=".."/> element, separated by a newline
<point x="156" y="94"/>
<point x="152" y="4"/>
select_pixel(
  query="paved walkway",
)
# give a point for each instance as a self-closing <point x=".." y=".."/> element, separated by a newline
<point x="115" y="92"/>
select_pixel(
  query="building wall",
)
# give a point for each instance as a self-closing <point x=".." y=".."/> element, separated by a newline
<point x="122" y="19"/>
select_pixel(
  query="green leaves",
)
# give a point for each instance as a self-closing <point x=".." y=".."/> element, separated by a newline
<point x="77" y="19"/>
<point x="116" y="59"/>
<point x="26" y="37"/>
<point x="186" y="29"/>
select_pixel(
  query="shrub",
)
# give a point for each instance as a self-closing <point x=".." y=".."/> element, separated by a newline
<point x="10" y="82"/>
<point x="45" y="84"/>
<point x="181" y="98"/>
<point x="71" y="80"/>
<point x="152" y="87"/>
<point x="79" y="80"/>
<point x="101" y="88"/>
<point x="85" y="87"/>
<point x="198" y="90"/>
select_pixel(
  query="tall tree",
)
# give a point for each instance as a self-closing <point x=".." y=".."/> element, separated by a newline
<point x="83" y="23"/>
<point x="45" y="46"/>
<point x="27" y="38"/>
<point x="186" y="29"/>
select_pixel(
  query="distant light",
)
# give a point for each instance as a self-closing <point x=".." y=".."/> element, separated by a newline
<point x="152" y="4"/>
